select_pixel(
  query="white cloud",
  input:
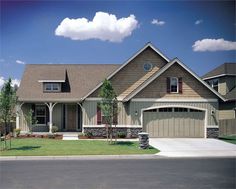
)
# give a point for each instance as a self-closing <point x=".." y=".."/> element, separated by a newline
<point x="13" y="82"/>
<point x="197" y="22"/>
<point x="158" y="22"/>
<point x="104" y="26"/>
<point x="214" y="45"/>
<point x="1" y="81"/>
<point x="20" y="62"/>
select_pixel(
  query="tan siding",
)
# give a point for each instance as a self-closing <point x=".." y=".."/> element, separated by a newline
<point x="137" y="106"/>
<point x="24" y="110"/>
<point x="226" y="114"/>
<point x="57" y="116"/>
<point x="222" y="87"/>
<point x="191" y="87"/>
<point x="133" y="71"/>
<point x="127" y="111"/>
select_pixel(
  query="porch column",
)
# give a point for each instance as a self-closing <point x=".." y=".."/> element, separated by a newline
<point x="18" y="109"/>
<point x="50" y="106"/>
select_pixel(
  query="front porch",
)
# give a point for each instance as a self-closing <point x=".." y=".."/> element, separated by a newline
<point x="65" y="116"/>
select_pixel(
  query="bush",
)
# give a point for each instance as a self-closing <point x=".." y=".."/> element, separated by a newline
<point x="54" y="129"/>
<point x="51" y="136"/>
<point x="17" y="132"/>
<point x="121" y="134"/>
<point x="88" y="134"/>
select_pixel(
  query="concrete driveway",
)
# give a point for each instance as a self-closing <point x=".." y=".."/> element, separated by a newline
<point x="193" y="147"/>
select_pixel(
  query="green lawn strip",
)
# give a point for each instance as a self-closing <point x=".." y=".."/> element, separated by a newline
<point x="230" y="139"/>
<point x="51" y="147"/>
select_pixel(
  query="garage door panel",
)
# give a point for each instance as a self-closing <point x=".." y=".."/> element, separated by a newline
<point x="174" y="124"/>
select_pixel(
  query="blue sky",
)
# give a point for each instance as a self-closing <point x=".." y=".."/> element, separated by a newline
<point x="28" y="33"/>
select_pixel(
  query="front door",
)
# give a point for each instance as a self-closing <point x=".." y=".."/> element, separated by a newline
<point x="71" y="117"/>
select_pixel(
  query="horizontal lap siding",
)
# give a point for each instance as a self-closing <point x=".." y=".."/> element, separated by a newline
<point x="133" y="71"/>
<point x="191" y="87"/>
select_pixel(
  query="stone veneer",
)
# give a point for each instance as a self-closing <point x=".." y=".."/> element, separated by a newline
<point x="212" y="132"/>
<point x="101" y="131"/>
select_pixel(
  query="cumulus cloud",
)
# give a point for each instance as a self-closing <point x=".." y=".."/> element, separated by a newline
<point x="13" y="82"/>
<point x="104" y="26"/>
<point x="20" y="62"/>
<point x="157" y="22"/>
<point x="214" y="45"/>
<point x="197" y="22"/>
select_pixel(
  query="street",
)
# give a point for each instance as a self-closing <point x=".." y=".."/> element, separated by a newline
<point x="111" y="174"/>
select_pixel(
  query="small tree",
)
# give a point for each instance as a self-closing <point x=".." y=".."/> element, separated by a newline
<point x="30" y="120"/>
<point x="8" y="101"/>
<point x="108" y="106"/>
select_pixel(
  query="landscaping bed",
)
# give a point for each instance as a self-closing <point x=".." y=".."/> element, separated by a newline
<point x="230" y="139"/>
<point x="48" y="147"/>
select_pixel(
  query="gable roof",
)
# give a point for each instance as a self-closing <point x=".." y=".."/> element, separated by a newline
<point x="231" y="95"/>
<point x="222" y="70"/>
<point x="75" y="76"/>
<point x="149" y="44"/>
<point x="162" y="70"/>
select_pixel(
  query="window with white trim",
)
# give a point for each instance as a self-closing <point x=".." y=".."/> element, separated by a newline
<point x="174" y="85"/>
<point x="214" y="84"/>
<point x="40" y="114"/>
<point x="52" y="87"/>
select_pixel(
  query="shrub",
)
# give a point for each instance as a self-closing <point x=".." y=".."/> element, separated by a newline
<point x="17" y="132"/>
<point x="54" y="129"/>
<point x="88" y="134"/>
<point x="51" y="136"/>
<point x="121" y="134"/>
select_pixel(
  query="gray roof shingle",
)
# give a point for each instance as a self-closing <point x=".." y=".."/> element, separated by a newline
<point x="226" y="68"/>
<point x="80" y="80"/>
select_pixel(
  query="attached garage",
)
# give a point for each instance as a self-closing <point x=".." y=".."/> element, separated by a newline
<point x="174" y="122"/>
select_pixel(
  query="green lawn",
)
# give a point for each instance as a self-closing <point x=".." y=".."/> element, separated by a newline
<point x="230" y="139"/>
<point x="47" y="147"/>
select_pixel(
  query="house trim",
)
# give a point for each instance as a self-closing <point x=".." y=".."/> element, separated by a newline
<point x="128" y="61"/>
<point x="162" y="70"/>
<point x="221" y="75"/>
<point x="173" y="100"/>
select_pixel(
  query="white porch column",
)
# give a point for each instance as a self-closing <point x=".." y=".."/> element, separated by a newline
<point x="18" y="109"/>
<point x="50" y="106"/>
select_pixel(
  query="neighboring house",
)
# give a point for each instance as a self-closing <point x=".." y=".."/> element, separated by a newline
<point x="223" y="80"/>
<point x="157" y="95"/>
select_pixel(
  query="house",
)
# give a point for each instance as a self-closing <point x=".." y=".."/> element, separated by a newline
<point x="223" y="80"/>
<point x="160" y="96"/>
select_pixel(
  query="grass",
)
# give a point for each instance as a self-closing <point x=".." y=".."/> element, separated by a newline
<point x="230" y="139"/>
<point x="51" y="147"/>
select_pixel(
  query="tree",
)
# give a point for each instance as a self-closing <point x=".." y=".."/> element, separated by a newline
<point x="31" y="120"/>
<point x="109" y="106"/>
<point x="8" y="101"/>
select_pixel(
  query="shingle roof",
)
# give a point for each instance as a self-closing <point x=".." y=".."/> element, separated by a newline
<point x="80" y="79"/>
<point x="224" y="69"/>
<point x="231" y="95"/>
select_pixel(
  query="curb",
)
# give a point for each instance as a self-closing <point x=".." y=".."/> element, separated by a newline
<point x="82" y="157"/>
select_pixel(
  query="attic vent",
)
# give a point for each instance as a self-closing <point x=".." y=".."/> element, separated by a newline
<point x="147" y="66"/>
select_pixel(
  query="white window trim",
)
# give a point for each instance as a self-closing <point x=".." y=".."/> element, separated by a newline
<point x="177" y="80"/>
<point x="51" y="86"/>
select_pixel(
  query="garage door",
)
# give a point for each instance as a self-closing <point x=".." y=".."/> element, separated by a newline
<point x="174" y="122"/>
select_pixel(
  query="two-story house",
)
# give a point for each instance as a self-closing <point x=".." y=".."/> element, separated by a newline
<point x="223" y="80"/>
<point x="160" y="96"/>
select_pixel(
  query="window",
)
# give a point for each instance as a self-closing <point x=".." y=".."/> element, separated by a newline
<point x="40" y="114"/>
<point x="174" y="85"/>
<point x="180" y="109"/>
<point x="52" y="87"/>
<point x="101" y="118"/>
<point x="147" y="67"/>
<point x="165" y="109"/>
<point x="214" y="84"/>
